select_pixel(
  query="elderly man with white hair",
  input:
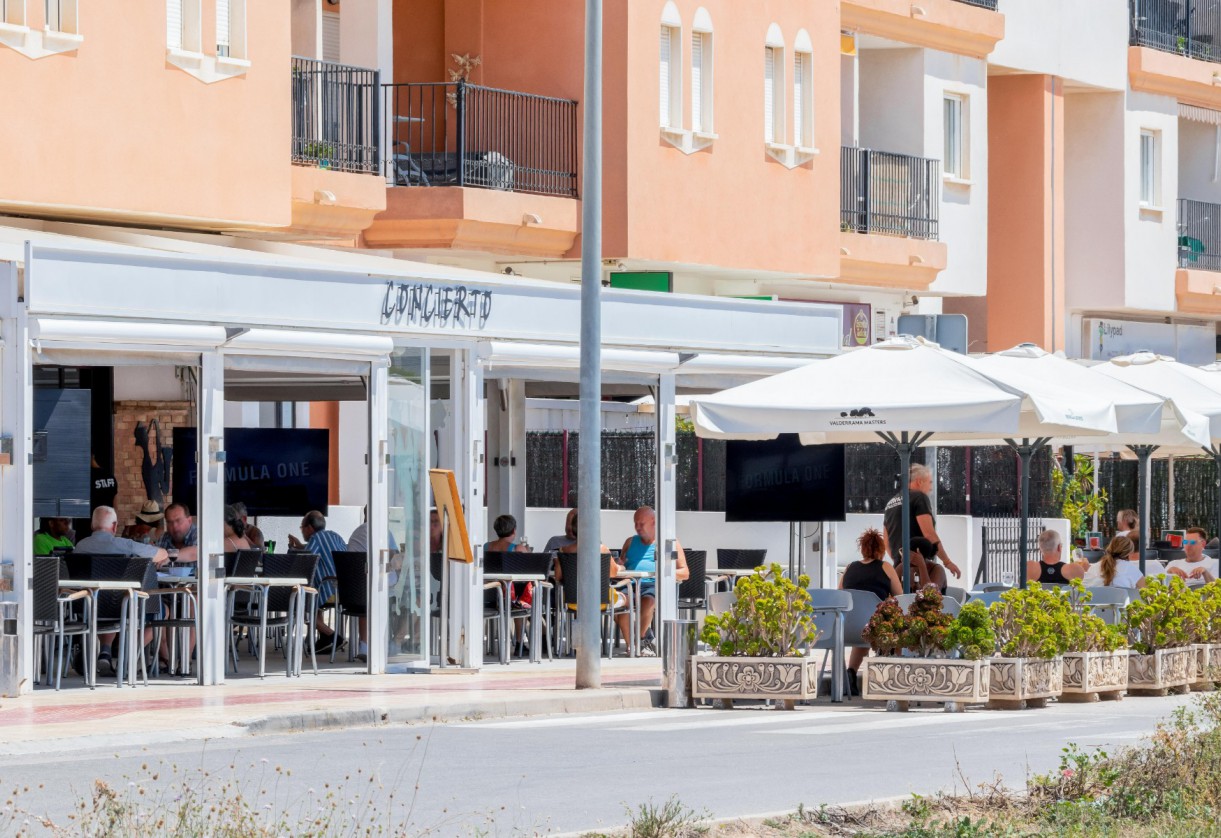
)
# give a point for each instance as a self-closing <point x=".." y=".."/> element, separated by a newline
<point x="104" y="541"/>
<point x="1051" y="569"/>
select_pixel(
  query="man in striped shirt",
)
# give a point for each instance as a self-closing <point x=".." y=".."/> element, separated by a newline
<point x="322" y="543"/>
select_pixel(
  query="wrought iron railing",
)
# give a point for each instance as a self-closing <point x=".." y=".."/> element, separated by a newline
<point x="983" y="4"/>
<point x="460" y="134"/>
<point x="1187" y="27"/>
<point x="335" y="116"/>
<point x="1199" y="235"/>
<point x="893" y="194"/>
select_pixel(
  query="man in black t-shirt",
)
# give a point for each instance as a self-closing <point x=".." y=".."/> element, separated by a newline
<point x="925" y="543"/>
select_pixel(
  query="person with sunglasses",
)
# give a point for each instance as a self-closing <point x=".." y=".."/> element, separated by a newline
<point x="1196" y="568"/>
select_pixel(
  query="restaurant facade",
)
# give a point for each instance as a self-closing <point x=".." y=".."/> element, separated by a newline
<point x="250" y="319"/>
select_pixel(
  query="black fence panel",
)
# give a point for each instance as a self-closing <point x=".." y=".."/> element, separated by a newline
<point x="1199" y="235"/>
<point x="892" y="194"/>
<point x="1186" y="27"/>
<point x="335" y="116"/>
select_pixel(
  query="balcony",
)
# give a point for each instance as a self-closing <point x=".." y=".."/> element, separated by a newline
<point x="983" y="4"/>
<point x="1191" y="28"/>
<point x="963" y="27"/>
<point x="889" y="210"/>
<point x="337" y="186"/>
<point x="1197" y="284"/>
<point x="479" y="169"/>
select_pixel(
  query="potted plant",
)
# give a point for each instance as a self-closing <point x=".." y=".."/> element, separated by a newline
<point x="1029" y="625"/>
<point x="1075" y="494"/>
<point x="757" y="645"/>
<point x="948" y="655"/>
<point x="1159" y="634"/>
<point x="1206" y="632"/>
<point x="1095" y="660"/>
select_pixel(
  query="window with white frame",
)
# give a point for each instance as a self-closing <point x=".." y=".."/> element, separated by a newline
<point x="701" y="72"/>
<point x="670" y="76"/>
<point x="773" y="87"/>
<point x="62" y="16"/>
<point x="1150" y="168"/>
<point x="803" y="92"/>
<point x="12" y="12"/>
<point x="954" y="156"/>
<point x="182" y="25"/>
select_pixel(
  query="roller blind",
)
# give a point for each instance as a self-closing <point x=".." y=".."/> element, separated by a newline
<point x="330" y="36"/>
<point x="222" y="27"/>
<point x="697" y="81"/>
<point x="769" y="95"/>
<point x="173" y="24"/>
<point x="799" y="99"/>
<point x="665" y="72"/>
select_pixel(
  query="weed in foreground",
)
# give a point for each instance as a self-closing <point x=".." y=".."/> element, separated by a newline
<point x="669" y="820"/>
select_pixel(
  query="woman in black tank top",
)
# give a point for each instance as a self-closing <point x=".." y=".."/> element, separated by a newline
<point x="874" y="574"/>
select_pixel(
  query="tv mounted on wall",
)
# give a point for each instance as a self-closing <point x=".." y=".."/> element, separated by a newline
<point x="782" y="480"/>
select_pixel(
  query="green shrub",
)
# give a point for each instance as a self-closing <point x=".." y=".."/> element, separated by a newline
<point x="1032" y="622"/>
<point x="1162" y="616"/>
<point x="928" y="631"/>
<point x="971" y="633"/>
<point x="1086" y="632"/>
<point x="1206" y="625"/>
<point x="771" y="617"/>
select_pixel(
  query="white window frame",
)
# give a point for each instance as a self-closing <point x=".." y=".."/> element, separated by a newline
<point x="62" y="16"/>
<point x="190" y="31"/>
<point x="773" y="94"/>
<point x="12" y="12"/>
<point x="184" y="44"/>
<point x="803" y="92"/>
<point x="956" y="138"/>
<point x="1150" y="172"/>
<point x="670" y="75"/>
<point x="702" y="74"/>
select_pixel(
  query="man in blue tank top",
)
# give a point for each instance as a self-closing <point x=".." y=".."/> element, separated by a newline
<point x="640" y="554"/>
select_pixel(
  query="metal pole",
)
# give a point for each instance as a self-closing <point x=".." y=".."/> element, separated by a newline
<point x="1025" y="451"/>
<point x="589" y="485"/>
<point x="1142" y="452"/>
<point x="905" y="467"/>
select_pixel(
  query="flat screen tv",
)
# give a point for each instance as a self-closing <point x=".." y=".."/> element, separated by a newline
<point x="782" y="480"/>
<point x="274" y="471"/>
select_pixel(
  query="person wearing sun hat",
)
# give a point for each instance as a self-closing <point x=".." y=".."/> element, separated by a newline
<point x="147" y="526"/>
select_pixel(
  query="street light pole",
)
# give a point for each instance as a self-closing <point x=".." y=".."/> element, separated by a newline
<point x="589" y="486"/>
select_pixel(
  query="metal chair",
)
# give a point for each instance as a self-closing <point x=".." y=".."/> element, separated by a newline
<point x="54" y="618"/>
<point x="1109" y="602"/>
<point x="959" y="594"/>
<point x="277" y="607"/>
<point x="535" y="564"/>
<point x="721" y="601"/>
<point x="1170" y="555"/>
<point x="738" y="559"/>
<point x="1092" y="556"/>
<point x="988" y="587"/>
<point x="351" y="595"/>
<point x="495" y="608"/>
<point x="829" y="607"/>
<point x="568" y="592"/>
<point x="986" y="597"/>
<point x="110" y="608"/>
<point x="693" y="591"/>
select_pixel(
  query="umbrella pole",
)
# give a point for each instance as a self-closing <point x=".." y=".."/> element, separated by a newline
<point x="1025" y="451"/>
<point x="1215" y="452"/>
<point x="905" y="445"/>
<point x="1143" y="453"/>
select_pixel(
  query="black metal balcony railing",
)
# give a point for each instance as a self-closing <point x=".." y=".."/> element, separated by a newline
<point x="460" y="134"/>
<point x="983" y="4"/>
<point x="893" y="194"/>
<point x="1186" y="27"/>
<point x="1199" y="235"/>
<point x="335" y="116"/>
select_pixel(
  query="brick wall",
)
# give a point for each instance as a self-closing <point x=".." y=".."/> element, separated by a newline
<point x="129" y="457"/>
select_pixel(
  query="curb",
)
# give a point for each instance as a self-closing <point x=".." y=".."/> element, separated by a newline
<point x="593" y="701"/>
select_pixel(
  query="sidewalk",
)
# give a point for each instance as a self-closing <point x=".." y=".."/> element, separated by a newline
<point x="179" y="710"/>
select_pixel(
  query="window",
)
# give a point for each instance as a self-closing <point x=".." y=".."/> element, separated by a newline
<point x="701" y="73"/>
<point x="223" y="13"/>
<point x="773" y="128"/>
<point x="182" y="25"/>
<point x="671" y="79"/>
<point x="12" y="12"/>
<point x="954" y="154"/>
<point x="1150" y="154"/>
<point x="61" y="16"/>
<point x="330" y="36"/>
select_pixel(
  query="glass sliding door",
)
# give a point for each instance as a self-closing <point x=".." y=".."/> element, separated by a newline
<point x="408" y="578"/>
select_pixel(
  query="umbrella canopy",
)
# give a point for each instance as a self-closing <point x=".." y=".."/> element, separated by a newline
<point x="902" y="384"/>
<point x="1193" y="397"/>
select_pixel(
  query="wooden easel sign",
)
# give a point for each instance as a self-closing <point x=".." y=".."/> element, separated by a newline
<point x="445" y="493"/>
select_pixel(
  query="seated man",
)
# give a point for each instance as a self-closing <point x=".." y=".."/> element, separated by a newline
<point x="1196" y="568"/>
<point x="322" y="543"/>
<point x="640" y="553"/>
<point x="104" y="541"/>
<point x="1051" y="567"/>
<point x="52" y="535"/>
<point x="181" y="534"/>
<point x="925" y="544"/>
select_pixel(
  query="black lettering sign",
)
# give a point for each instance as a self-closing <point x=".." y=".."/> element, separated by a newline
<point x="447" y="306"/>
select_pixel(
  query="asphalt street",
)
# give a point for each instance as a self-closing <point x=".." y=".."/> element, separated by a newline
<point x="572" y="773"/>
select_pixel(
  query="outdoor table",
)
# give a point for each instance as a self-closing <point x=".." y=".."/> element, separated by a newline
<point x="506" y="581"/>
<point x="294" y="616"/>
<point x="636" y="578"/>
<point x="723" y="574"/>
<point x="95" y="586"/>
<point x="189" y="587"/>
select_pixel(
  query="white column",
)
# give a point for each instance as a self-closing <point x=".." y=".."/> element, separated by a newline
<point x="379" y="523"/>
<point x="209" y="518"/>
<point x="667" y="500"/>
<point x="17" y="480"/>
<point x="466" y="591"/>
<point x="507" y="450"/>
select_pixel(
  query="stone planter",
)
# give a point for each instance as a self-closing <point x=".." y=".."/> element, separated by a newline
<point x="1014" y="683"/>
<point x="1089" y="676"/>
<point x="782" y="679"/>
<point x="1208" y="667"/>
<point x="1165" y="669"/>
<point x="903" y="680"/>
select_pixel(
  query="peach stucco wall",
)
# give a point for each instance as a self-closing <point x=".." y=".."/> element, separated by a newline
<point x="120" y="134"/>
<point x="1026" y="272"/>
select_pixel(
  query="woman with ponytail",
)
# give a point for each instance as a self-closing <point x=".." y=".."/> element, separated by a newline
<point x="1115" y="569"/>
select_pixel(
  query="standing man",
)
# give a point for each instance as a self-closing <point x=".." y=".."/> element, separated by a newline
<point x="925" y="544"/>
<point x="322" y="543"/>
<point x="1196" y="568"/>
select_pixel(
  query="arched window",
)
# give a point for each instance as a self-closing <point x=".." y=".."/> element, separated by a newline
<point x="701" y="72"/>
<point x="803" y="91"/>
<point x="773" y="86"/>
<point x="670" y="67"/>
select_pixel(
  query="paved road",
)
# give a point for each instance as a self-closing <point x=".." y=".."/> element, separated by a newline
<point x="570" y="773"/>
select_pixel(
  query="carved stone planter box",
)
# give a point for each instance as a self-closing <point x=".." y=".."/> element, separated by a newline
<point x="924" y="679"/>
<point x="1208" y="667"/>
<point x="1092" y="675"/>
<point x="784" y="679"/>
<point x="1018" y="682"/>
<point x="1165" y="669"/>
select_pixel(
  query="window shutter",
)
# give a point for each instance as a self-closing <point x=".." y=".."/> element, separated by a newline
<point x="665" y="72"/>
<point x="173" y="24"/>
<point x="799" y="99"/>
<point x="330" y="36"/>
<point x="1147" y="169"/>
<point x="222" y="27"/>
<point x="769" y="95"/>
<point x="697" y="81"/>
